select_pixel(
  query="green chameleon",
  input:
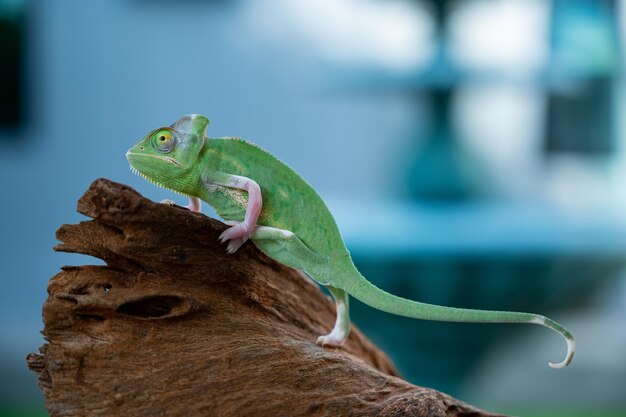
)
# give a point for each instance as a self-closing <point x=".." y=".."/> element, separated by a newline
<point x="264" y="200"/>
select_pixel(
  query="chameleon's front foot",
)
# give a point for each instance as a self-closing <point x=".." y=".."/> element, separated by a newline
<point x="168" y="202"/>
<point x="237" y="234"/>
<point x="194" y="204"/>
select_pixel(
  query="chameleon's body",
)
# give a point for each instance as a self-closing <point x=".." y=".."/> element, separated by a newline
<point x="263" y="199"/>
<point x="290" y="199"/>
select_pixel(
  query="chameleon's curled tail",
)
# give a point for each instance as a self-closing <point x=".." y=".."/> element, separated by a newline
<point x="368" y="293"/>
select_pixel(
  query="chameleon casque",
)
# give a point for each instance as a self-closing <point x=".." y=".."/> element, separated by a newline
<point x="264" y="200"/>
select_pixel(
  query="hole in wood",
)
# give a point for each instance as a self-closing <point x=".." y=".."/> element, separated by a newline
<point x="151" y="307"/>
<point x="90" y="317"/>
<point x="115" y="230"/>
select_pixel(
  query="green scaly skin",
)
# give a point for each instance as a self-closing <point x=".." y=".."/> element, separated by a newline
<point x="293" y="226"/>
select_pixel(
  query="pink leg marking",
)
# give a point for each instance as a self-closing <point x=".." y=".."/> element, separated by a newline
<point x="238" y="233"/>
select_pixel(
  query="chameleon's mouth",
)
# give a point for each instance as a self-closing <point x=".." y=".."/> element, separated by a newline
<point x="161" y="157"/>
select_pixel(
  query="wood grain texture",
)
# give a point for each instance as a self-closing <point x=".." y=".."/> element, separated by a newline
<point x="173" y="326"/>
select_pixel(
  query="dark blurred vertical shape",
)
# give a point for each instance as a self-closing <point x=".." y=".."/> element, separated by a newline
<point x="585" y="52"/>
<point x="12" y="68"/>
<point x="437" y="172"/>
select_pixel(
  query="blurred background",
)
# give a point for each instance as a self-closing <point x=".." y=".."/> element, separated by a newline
<point x="473" y="151"/>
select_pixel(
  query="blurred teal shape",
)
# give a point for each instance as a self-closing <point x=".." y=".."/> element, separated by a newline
<point x="585" y="59"/>
<point x="585" y="38"/>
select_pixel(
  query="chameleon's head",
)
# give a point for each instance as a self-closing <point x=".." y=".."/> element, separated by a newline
<point x="168" y="153"/>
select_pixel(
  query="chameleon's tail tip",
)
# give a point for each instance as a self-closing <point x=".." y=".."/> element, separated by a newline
<point x="571" y="347"/>
<point x="569" y="339"/>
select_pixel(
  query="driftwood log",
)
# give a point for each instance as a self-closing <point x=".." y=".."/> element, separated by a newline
<point x="173" y="326"/>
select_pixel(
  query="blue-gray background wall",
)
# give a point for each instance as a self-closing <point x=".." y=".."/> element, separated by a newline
<point x="347" y="93"/>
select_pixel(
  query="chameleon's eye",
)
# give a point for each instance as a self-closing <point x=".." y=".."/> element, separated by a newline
<point x="163" y="140"/>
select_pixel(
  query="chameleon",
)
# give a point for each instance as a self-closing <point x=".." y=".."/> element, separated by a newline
<point x="262" y="199"/>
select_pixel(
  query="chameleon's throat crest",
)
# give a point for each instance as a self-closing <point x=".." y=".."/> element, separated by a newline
<point x="155" y="182"/>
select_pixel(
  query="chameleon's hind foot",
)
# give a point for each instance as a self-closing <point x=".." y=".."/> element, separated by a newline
<point x="234" y="245"/>
<point x="338" y="336"/>
<point x="332" y="340"/>
<point x="237" y="234"/>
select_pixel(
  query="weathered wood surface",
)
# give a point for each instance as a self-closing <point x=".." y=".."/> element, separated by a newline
<point x="173" y="326"/>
